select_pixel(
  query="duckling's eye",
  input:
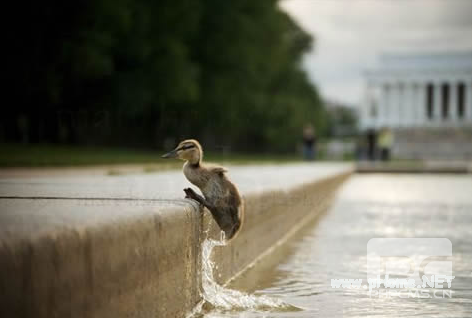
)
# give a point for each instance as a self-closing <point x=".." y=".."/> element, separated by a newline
<point x="186" y="147"/>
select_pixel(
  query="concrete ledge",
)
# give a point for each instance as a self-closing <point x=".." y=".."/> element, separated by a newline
<point x="128" y="246"/>
<point x="458" y="167"/>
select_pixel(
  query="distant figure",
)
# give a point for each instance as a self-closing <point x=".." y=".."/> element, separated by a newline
<point x="371" y="144"/>
<point x="385" y="144"/>
<point x="309" y="142"/>
<point x="361" y="147"/>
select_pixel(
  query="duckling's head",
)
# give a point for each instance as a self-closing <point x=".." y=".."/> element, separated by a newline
<point x="189" y="150"/>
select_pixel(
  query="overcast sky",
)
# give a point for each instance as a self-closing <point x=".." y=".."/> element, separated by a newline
<point x="350" y="34"/>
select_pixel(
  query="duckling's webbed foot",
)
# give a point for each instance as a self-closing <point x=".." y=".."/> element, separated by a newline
<point x="190" y="194"/>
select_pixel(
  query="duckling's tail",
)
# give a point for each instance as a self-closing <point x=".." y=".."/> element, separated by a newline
<point x="238" y="225"/>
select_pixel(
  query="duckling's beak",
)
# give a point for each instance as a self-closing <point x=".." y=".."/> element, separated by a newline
<point x="172" y="154"/>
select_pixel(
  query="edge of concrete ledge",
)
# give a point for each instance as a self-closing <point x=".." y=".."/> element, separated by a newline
<point x="442" y="167"/>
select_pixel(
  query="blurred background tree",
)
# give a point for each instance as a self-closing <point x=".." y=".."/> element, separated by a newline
<point x="148" y="73"/>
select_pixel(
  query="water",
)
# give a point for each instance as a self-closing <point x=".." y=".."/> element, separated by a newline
<point x="226" y="299"/>
<point x="367" y="206"/>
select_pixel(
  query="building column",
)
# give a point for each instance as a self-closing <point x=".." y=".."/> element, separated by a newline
<point x="402" y="114"/>
<point x="415" y="104"/>
<point x="401" y="107"/>
<point x="421" y="118"/>
<point x="412" y="104"/>
<point x="468" y="102"/>
<point x="453" y="114"/>
<point x="408" y="104"/>
<point x="384" y="105"/>
<point x="437" y="119"/>
<point x="393" y="105"/>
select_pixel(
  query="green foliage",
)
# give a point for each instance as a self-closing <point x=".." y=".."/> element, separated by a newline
<point x="141" y="73"/>
<point x="53" y="155"/>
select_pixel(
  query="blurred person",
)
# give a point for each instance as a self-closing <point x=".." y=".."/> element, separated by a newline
<point x="309" y="142"/>
<point x="371" y="144"/>
<point x="385" y="143"/>
<point x="361" y="147"/>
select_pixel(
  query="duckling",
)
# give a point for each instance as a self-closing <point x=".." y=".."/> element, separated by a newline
<point x="220" y="195"/>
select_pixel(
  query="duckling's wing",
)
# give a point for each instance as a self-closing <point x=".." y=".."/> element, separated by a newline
<point x="218" y="170"/>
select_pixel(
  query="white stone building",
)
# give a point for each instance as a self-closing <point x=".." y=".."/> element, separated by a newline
<point x="426" y="99"/>
<point x="421" y="90"/>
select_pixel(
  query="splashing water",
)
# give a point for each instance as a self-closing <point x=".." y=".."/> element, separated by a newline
<point x="225" y="298"/>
